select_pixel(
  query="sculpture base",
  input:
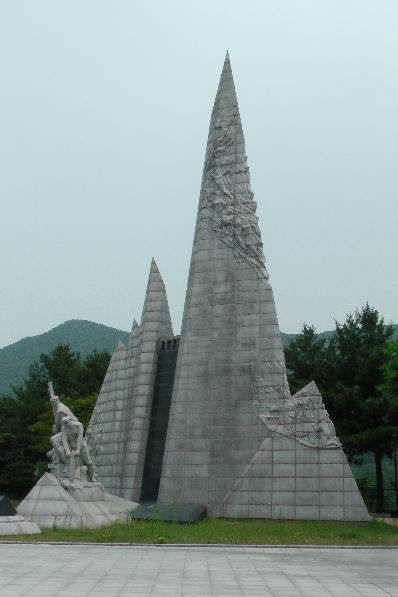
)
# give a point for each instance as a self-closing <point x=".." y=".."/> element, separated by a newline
<point x="54" y="503"/>
<point x="17" y="525"/>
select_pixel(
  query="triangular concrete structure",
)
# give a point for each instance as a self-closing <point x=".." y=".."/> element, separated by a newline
<point x="230" y="388"/>
<point x="300" y="470"/>
<point x="118" y="430"/>
<point x="155" y="325"/>
<point x="106" y="431"/>
<point x="49" y="504"/>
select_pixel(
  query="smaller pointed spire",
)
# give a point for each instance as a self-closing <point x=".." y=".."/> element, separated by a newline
<point x="120" y="346"/>
<point x="154" y="267"/>
<point x="156" y="301"/>
<point x="310" y="388"/>
<point x="133" y="334"/>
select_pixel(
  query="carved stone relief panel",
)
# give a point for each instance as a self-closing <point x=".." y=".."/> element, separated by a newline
<point x="302" y="416"/>
<point x="227" y="200"/>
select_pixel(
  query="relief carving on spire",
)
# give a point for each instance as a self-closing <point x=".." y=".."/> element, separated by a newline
<point x="228" y="206"/>
<point x="302" y="417"/>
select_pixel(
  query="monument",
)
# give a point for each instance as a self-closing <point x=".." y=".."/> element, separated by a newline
<point x="207" y="417"/>
<point x="70" y="496"/>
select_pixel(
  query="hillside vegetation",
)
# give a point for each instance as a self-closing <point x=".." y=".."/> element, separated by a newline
<point x="82" y="337"/>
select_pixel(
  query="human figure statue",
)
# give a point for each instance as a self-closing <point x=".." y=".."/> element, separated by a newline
<point x="68" y="441"/>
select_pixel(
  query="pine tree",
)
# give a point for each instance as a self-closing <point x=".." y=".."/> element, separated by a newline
<point x="348" y="372"/>
<point x="26" y="420"/>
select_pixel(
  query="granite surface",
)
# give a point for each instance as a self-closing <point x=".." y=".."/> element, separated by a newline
<point x="237" y="440"/>
<point x="160" y="571"/>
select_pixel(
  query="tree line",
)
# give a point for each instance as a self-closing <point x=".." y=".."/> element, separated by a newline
<point x="356" y="371"/>
<point x="357" y="374"/>
<point x="26" y="418"/>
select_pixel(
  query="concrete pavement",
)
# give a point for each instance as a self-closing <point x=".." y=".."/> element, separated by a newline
<point x="166" y="571"/>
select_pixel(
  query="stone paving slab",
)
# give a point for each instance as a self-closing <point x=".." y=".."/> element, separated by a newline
<point x="159" y="571"/>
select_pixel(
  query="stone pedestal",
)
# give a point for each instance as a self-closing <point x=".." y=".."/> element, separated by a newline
<point x="62" y="504"/>
<point x="17" y="525"/>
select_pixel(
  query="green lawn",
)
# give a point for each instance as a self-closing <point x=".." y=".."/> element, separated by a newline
<point x="229" y="532"/>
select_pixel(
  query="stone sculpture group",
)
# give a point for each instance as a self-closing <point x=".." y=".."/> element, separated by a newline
<point x="70" y="456"/>
<point x="70" y="496"/>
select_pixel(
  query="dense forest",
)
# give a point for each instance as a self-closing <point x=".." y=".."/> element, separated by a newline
<point x="355" y="368"/>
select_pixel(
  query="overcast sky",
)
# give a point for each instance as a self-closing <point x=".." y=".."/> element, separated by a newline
<point x="104" y="114"/>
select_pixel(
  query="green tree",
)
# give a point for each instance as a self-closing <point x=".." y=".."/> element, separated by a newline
<point x="389" y="392"/>
<point x="26" y="420"/>
<point x="305" y="358"/>
<point x="389" y="370"/>
<point x="362" y="414"/>
<point x="16" y="468"/>
<point x="349" y="371"/>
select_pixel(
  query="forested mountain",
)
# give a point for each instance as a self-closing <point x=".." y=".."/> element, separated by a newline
<point x="82" y="336"/>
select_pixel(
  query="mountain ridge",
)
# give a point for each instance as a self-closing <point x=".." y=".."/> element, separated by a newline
<point x="82" y="336"/>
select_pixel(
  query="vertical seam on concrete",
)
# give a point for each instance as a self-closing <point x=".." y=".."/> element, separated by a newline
<point x="130" y="405"/>
<point x="272" y="474"/>
<point x="295" y="468"/>
<point x="319" y="473"/>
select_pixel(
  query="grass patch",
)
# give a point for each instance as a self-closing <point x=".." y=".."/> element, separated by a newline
<point x="216" y="530"/>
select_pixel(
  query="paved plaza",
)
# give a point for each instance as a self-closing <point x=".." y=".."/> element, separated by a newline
<point x="162" y="571"/>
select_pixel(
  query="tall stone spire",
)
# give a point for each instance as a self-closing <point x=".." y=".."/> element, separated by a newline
<point x="237" y="441"/>
<point x="230" y="330"/>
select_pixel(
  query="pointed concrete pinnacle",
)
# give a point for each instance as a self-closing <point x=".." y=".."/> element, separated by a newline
<point x="227" y="249"/>
<point x="154" y="267"/>
<point x="226" y="72"/>
<point x="156" y="301"/>
<point x="154" y="278"/>
<point x="120" y="346"/>
<point x="310" y="389"/>
<point x="134" y="332"/>
<point x="226" y="101"/>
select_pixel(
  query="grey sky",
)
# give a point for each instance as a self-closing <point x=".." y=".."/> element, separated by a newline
<point x="104" y="114"/>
